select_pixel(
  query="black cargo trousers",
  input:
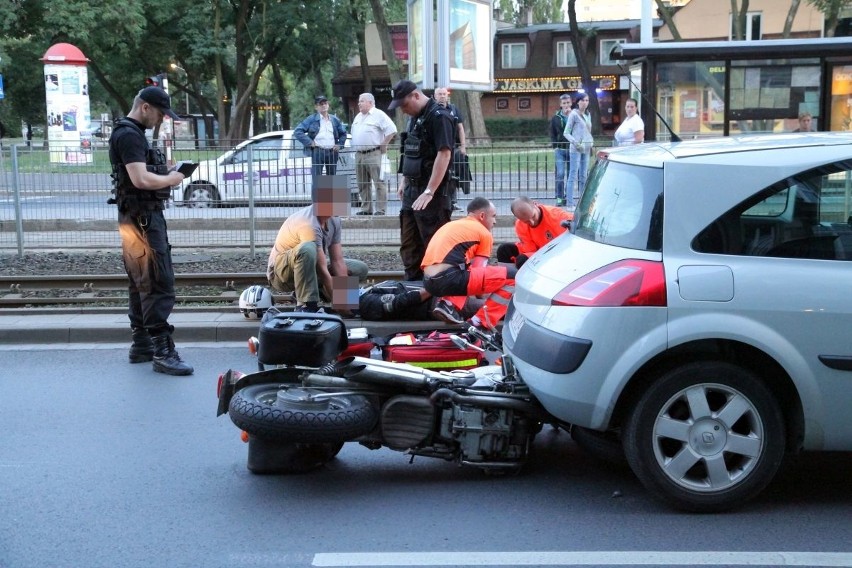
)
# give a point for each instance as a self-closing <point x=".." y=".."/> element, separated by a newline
<point x="417" y="227"/>
<point x="147" y="257"/>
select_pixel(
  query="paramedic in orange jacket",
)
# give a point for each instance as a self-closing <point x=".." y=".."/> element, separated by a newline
<point x="455" y="266"/>
<point x="536" y="225"/>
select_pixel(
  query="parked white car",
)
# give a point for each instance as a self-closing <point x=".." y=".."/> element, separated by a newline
<point x="699" y="311"/>
<point x="267" y="168"/>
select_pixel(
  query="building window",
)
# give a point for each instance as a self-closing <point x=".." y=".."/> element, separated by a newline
<point x="565" y="56"/>
<point x="514" y="55"/>
<point x="753" y="26"/>
<point x="502" y="104"/>
<point x="607" y="46"/>
<point x="524" y="103"/>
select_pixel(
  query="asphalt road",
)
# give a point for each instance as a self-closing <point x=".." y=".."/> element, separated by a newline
<point x="107" y="464"/>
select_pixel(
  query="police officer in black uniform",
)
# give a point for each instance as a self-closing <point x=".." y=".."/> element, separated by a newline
<point x="142" y="182"/>
<point x="424" y="190"/>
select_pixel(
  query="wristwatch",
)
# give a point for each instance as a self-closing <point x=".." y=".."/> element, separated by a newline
<point x="427" y="191"/>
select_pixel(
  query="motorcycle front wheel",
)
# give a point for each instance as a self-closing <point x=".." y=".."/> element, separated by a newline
<point x="285" y="412"/>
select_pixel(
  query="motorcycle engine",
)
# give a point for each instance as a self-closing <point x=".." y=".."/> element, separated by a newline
<point x="488" y="438"/>
<point x="468" y="432"/>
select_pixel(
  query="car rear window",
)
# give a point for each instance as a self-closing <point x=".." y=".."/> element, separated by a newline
<point x="622" y="205"/>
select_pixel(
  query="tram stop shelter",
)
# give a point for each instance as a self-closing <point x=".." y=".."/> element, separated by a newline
<point x="721" y="88"/>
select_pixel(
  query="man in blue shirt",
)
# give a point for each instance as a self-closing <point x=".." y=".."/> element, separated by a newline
<point x="323" y="135"/>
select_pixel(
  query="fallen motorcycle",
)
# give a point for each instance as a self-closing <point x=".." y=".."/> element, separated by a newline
<point x="309" y="398"/>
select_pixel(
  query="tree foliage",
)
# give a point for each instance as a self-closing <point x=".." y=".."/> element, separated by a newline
<point x="831" y="9"/>
<point x="524" y="12"/>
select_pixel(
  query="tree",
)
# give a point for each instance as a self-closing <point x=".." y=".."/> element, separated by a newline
<point x="666" y="15"/>
<point x="358" y="11"/>
<point x="579" y="42"/>
<point x="831" y="9"/>
<point x="738" y="18"/>
<point x="394" y="65"/>
<point x="527" y="12"/>
<point x="791" y="15"/>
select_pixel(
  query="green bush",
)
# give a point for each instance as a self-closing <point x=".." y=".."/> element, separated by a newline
<point x="525" y="129"/>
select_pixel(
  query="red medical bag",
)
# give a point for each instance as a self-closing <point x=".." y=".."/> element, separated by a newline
<point x="433" y="351"/>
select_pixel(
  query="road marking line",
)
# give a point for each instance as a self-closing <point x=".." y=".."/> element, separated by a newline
<point x="584" y="558"/>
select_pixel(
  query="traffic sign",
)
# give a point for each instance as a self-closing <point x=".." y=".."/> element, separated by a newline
<point x="2" y="92"/>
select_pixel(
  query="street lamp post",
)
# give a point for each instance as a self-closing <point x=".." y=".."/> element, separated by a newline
<point x="177" y="67"/>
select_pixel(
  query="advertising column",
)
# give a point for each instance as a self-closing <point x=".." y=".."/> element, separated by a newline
<point x="66" y="85"/>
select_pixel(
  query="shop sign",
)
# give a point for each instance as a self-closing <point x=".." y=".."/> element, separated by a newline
<point x="552" y="84"/>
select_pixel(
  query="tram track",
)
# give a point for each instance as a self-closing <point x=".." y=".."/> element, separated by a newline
<point x="215" y="289"/>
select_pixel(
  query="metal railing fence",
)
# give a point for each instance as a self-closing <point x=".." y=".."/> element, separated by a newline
<point x="45" y="205"/>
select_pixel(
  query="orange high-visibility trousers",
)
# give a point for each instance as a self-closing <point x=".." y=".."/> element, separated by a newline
<point x="489" y="280"/>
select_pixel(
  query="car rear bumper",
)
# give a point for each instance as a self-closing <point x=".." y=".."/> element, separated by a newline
<point x="577" y="360"/>
<point x="553" y="352"/>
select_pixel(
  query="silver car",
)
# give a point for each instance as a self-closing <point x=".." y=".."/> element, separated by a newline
<point x="699" y="311"/>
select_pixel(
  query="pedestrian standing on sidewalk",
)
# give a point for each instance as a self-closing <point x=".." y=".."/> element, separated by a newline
<point x="323" y="135"/>
<point x="578" y="131"/>
<point x="142" y="182"/>
<point x="560" y="145"/>
<point x="459" y="166"/>
<point x="372" y="131"/>
<point x="632" y="129"/>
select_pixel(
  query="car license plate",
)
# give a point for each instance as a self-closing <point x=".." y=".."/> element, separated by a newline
<point x="516" y="323"/>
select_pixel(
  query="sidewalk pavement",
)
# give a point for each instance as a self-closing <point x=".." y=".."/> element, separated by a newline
<point x="60" y="326"/>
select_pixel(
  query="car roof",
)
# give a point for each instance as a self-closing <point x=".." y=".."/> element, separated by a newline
<point x="656" y="153"/>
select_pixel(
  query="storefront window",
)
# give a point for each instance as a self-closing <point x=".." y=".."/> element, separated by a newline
<point x="691" y="98"/>
<point x="840" y="117"/>
<point x="769" y="95"/>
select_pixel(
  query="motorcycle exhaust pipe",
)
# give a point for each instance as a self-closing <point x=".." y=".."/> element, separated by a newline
<point x="338" y="383"/>
<point x="373" y="371"/>
<point x="529" y="408"/>
<point x="326" y="381"/>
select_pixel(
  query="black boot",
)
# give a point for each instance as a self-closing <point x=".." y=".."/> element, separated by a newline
<point x="142" y="349"/>
<point x="166" y="358"/>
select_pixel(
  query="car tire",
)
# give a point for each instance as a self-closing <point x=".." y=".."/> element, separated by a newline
<point x="201" y="195"/>
<point x="285" y="412"/>
<point x="266" y="457"/>
<point x="603" y="446"/>
<point x="705" y="437"/>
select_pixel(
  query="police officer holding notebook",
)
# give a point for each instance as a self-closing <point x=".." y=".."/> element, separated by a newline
<point x="142" y="182"/>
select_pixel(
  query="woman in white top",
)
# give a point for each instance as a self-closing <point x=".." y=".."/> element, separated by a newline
<point x="632" y="129"/>
<point x="578" y="131"/>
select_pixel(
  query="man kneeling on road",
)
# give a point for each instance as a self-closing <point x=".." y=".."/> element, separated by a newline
<point x="536" y="225"/>
<point x="307" y="257"/>
<point x="455" y="266"/>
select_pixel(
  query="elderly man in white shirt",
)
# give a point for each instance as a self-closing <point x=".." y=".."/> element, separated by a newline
<point x="372" y="131"/>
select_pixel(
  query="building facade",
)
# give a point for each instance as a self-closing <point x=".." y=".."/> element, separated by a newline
<point x="533" y="65"/>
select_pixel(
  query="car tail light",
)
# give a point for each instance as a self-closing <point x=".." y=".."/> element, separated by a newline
<point x="623" y="283"/>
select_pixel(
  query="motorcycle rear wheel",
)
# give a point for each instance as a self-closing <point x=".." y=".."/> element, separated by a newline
<point x="282" y="412"/>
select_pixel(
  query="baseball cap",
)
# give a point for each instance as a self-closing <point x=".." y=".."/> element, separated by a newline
<point x="320" y="99"/>
<point x="159" y="99"/>
<point x="400" y="91"/>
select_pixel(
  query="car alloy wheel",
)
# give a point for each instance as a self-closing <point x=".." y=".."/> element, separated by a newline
<point x="706" y="436"/>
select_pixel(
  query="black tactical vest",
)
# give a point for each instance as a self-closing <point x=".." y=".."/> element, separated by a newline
<point x="125" y="194"/>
